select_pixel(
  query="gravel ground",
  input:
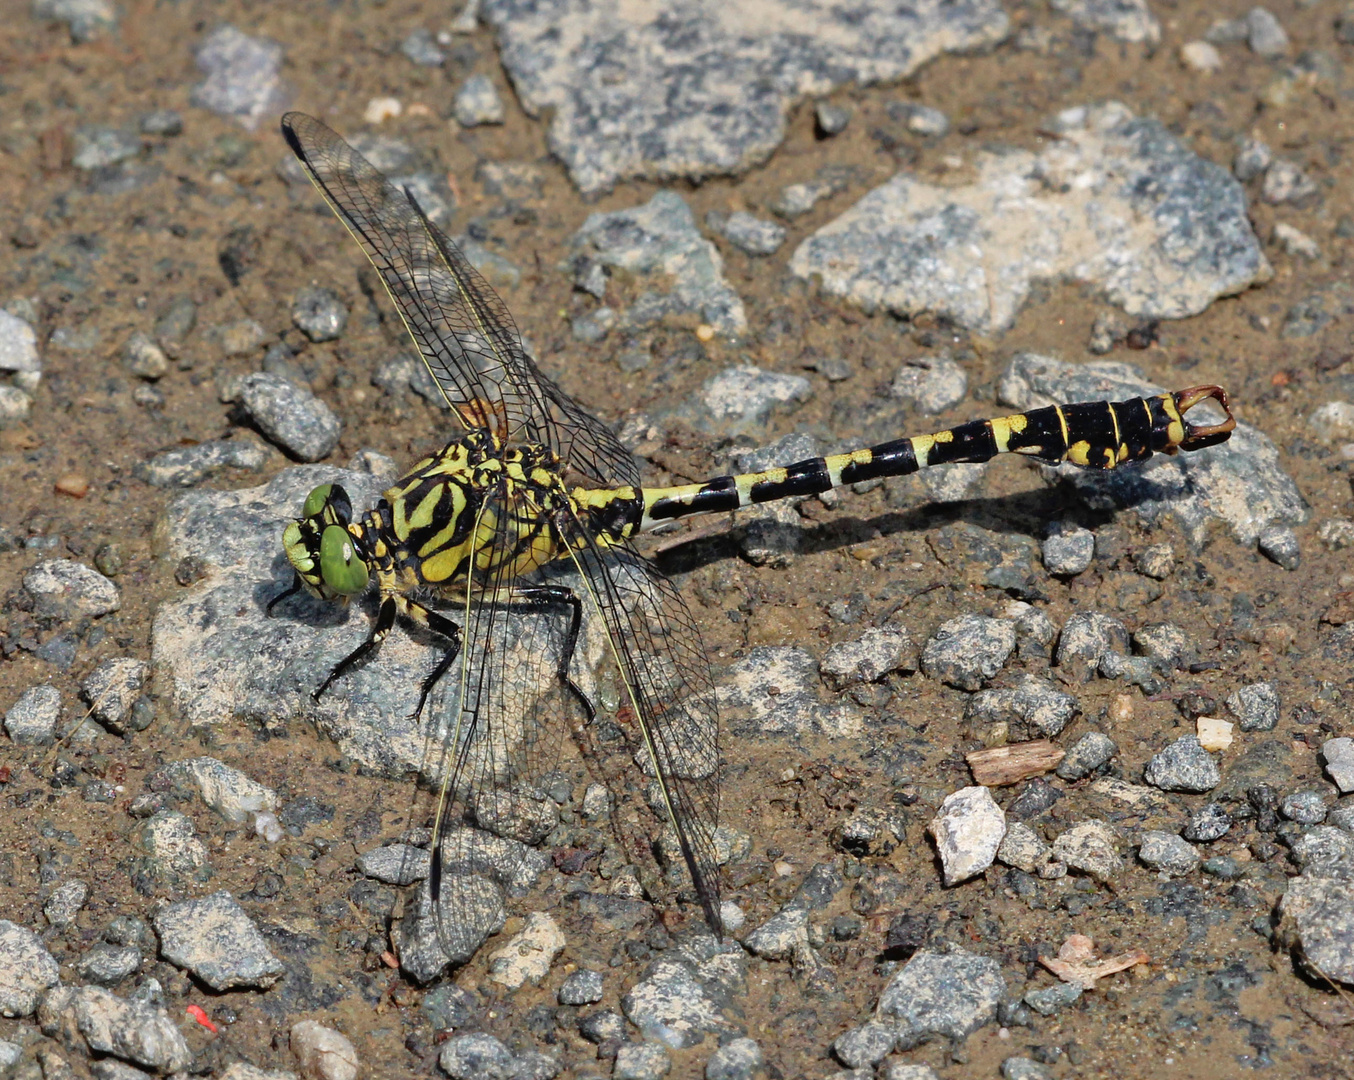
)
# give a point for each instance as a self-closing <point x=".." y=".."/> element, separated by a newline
<point x="1028" y="772"/>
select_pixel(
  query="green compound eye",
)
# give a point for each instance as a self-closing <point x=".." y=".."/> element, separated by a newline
<point x="340" y="565"/>
<point x="315" y="500"/>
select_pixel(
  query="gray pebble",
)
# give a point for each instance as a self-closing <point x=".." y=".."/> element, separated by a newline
<point x="244" y="78"/>
<point x="660" y="242"/>
<point x="796" y="200"/>
<point x="902" y="1070"/>
<point x="1165" y="643"/>
<point x="1023" y="1068"/>
<point x="104" y="964"/>
<point x="1067" y="549"/>
<point x="241" y="337"/>
<point x="14" y="405"/>
<point x="288" y="415"/>
<point x="10" y="1052"/>
<point x="920" y="119"/>
<point x="163" y="122"/>
<point x="215" y="940"/>
<point x="319" y="313"/>
<point x="738" y="1059"/>
<point x="780" y="935"/>
<point x="831" y="119"/>
<point x="1088" y="640"/>
<point x="1222" y="867"/>
<point x="966" y="651"/>
<point x="1323" y="847"/>
<point x="950" y="994"/>
<point x="421" y="48"/>
<point x="172" y="846"/>
<point x="1183" y="766"/>
<point x="1156" y="561"/>
<point x="26" y="970"/>
<point x="144" y="358"/>
<point x="64" y="589"/>
<point x="477" y="102"/>
<point x="65" y="903"/>
<point x="1168" y="853"/>
<point x="876" y="653"/>
<point x="581" y="988"/>
<point x="231" y="794"/>
<point x="933" y="383"/>
<point x="112" y="688"/>
<point x="1264" y="35"/>
<point x="1342" y="817"/>
<point x="476" y="1057"/>
<point x="753" y="235"/>
<point x="601" y="1027"/>
<point x="97" y="147"/>
<point x="593" y="326"/>
<point x="641" y="1061"/>
<point x="1208" y="823"/>
<point x="1086" y="755"/>
<point x="1256" y="706"/>
<point x="1023" y="848"/>
<point x="1049" y="1000"/>
<point x="136" y="1031"/>
<point x="1286" y="182"/>
<point x="87" y="20"/>
<point x="867" y="1045"/>
<point x="32" y="720"/>
<point x="1318" y="925"/>
<point x="1304" y="807"/>
<point x="448" y="1007"/>
<point x="1092" y="847"/>
<point x="187" y="466"/>
<point x="1107" y="331"/>
<point x="1251" y="160"/>
<point x="1279" y="544"/>
<point x="130" y="931"/>
<point x="1035" y="631"/>
<point x="672" y="1004"/>
<point x="473" y="910"/>
<point x="1338" y="757"/>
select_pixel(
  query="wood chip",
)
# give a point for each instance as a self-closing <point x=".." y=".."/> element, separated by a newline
<point x="1076" y="962"/>
<point x="1002" y="765"/>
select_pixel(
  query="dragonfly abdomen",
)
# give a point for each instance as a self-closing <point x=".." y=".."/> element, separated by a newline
<point x="1094" y="435"/>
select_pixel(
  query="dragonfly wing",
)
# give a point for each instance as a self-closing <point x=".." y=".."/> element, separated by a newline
<point x="461" y="327"/>
<point x="670" y="716"/>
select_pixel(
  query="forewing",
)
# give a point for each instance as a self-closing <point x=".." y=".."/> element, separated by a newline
<point x="669" y="712"/>
<point x="461" y="327"/>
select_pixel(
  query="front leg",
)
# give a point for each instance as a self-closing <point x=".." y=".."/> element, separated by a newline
<point x="438" y="624"/>
<point x="385" y="619"/>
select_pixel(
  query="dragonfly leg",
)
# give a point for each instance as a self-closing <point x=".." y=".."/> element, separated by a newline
<point x="295" y="588"/>
<point x="438" y="624"/>
<point x="545" y="595"/>
<point x="385" y="619"/>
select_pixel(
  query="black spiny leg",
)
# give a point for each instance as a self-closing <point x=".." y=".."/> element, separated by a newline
<point x="544" y="595"/>
<point x="438" y="624"/>
<point x="295" y="588"/>
<point x="385" y="619"/>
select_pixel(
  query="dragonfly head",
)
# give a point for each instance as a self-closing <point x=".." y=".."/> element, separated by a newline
<point x="323" y="552"/>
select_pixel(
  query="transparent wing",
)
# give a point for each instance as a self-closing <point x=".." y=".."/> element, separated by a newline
<point x="669" y="713"/>
<point x="462" y="329"/>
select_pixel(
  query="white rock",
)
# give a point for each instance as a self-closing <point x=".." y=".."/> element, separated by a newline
<point x="1214" y="734"/>
<point x="380" y="109"/>
<point x="1200" y="56"/>
<point x="322" y="1053"/>
<point x="1296" y="242"/>
<point x="1339" y="758"/>
<point x="26" y="969"/>
<point x="968" y="830"/>
<point x="527" y="956"/>
<point x="1332" y="423"/>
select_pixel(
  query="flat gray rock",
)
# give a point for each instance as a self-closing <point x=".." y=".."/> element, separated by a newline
<point x="1116" y="202"/>
<point x="1239" y="483"/>
<point x="1123" y="20"/>
<point x="968" y="650"/>
<point x="951" y="993"/>
<point x="215" y="940"/>
<point x="661" y="239"/>
<point x="1183" y="766"/>
<point x="136" y="1031"/>
<point x="185" y="466"/>
<point x="65" y="589"/>
<point x="226" y="790"/>
<point x="244" y="76"/>
<point x="287" y="414"/>
<point x="688" y="89"/>
<point x="1318" y="923"/>
<point x="750" y="706"/>
<point x="675" y="1005"/>
<point x="32" y="720"/>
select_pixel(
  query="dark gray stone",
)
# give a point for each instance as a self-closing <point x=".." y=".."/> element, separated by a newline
<point x="1087" y="754"/>
<point x="1256" y="706"/>
<point x="1304" y="807"/>
<point x="107" y="965"/>
<point x="951" y="994"/>
<point x="867" y="1045"/>
<point x="738" y="1059"/>
<point x="1033" y="706"/>
<point x="476" y="1057"/>
<point x="1208" y="823"/>
<point x="1167" y="852"/>
<point x="1049" y="1000"/>
<point x="753" y="235"/>
<point x="583" y="987"/>
<point x="1068" y="549"/>
<point x="186" y="466"/>
<point x="319" y="313"/>
<point x="287" y="414"/>
<point x="1183" y="766"/>
<point x="1317" y="913"/>
<point x="1279" y="544"/>
<point x="674" y="1005"/>
<point x="421" y="48"/>
<point x="1087" y="641"/>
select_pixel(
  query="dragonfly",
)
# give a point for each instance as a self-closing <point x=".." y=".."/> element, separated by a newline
<point x="531" y="481"/>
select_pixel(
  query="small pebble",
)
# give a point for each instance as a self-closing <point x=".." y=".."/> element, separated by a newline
<point x="968" y="829"/>
<point x="1208" y="823"/>
<point x="477" y="102"/>
<point x="217" y="941"/>
<point x="528" y="954"/>
<point x="64" y="589"/>
<point x="920" y="119"/>
<point x="1338" y="755"/>
<point x="967" y="651"/>
<point x="1067" y="549"/>
<point x="753" y="235"/>
<point x="1304" y="807"/>
<point x="1215" y="735"/>
<point x="323" y="1053"/>
<point x="641" y="1061"/>
<point x="1086" y="755"/>
<point x="32" y="720"/>
<point x="144" y="358"/>
<point x="1200" y="56"/>
<point x="1255" y="706"/>
<point x="1168" y="853"/>
<point x="1286" y="182"/>
<point x="1264" y="35"/>
<point x="319" y="313"/>
<point x="422" y="49"/>
<point x="737" y="1059"/>
<point x="166" y="123"/>
<point x="933" y="383"/>
<point x="1092" y="847"/>
<point x="288" y="415"/>
<point x="1184" y="765"/>
<point x="1295" y="242"/>
<point x="1279" y="544"/>
<point x="1049" y="1000"/>
<point x="65" y="903"/>
<point x="581" y="988"/>
<point x="831" y="119"/>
